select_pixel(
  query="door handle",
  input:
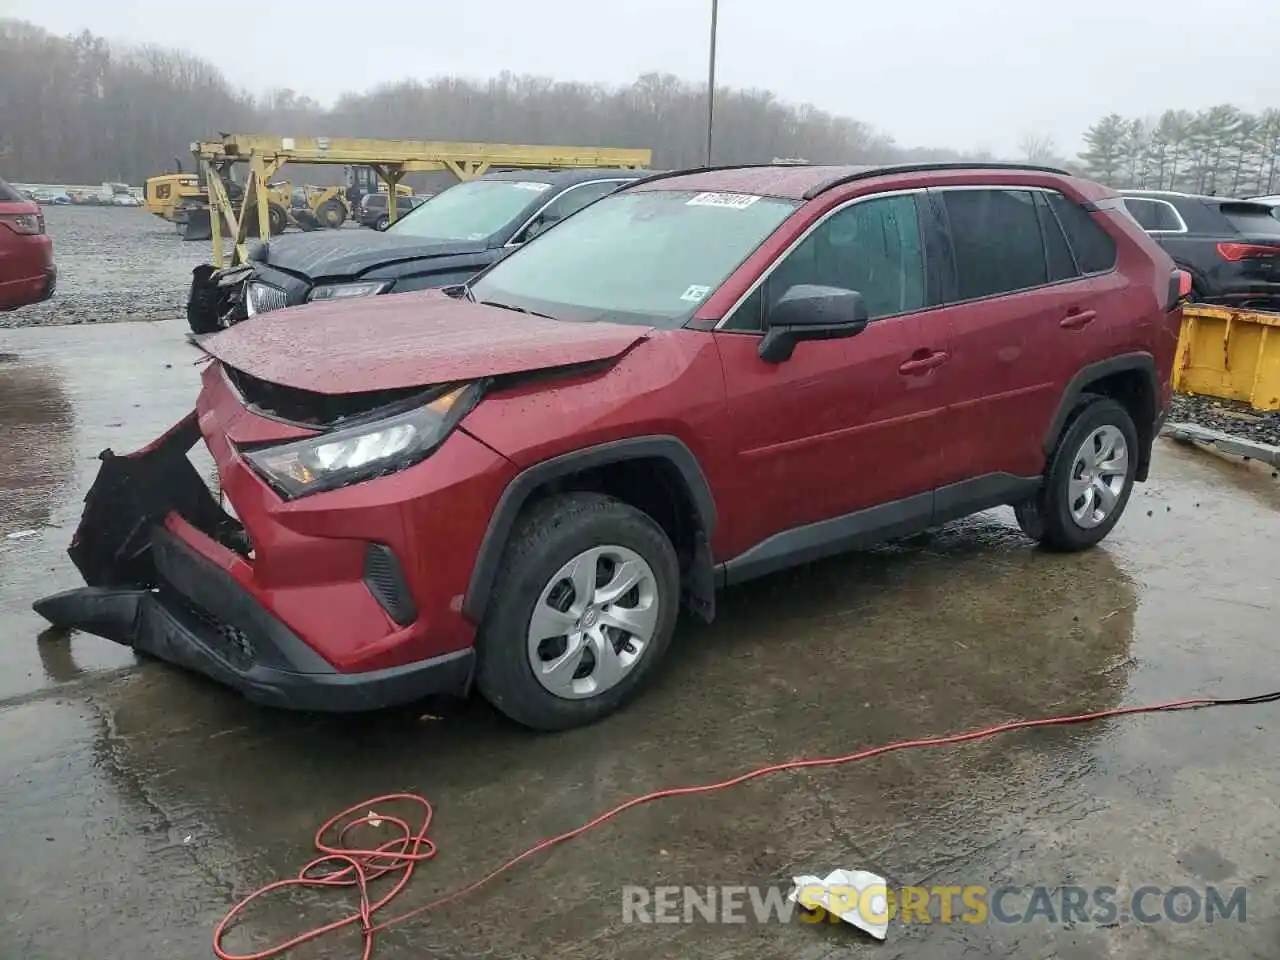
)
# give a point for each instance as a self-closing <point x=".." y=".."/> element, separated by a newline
<point x="924" y="364"/>
<point x="1077" y="319"/>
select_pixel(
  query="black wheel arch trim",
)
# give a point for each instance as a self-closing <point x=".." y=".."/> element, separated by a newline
<point x="1140" y="361"/>
<point x="518" y="491"/>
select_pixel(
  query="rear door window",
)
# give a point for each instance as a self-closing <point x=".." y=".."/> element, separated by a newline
<point x="1252" y="219"/>
<point x="1093" y="247"/>
<point x="997" y="243"/>
<point x="1155" y="215"/>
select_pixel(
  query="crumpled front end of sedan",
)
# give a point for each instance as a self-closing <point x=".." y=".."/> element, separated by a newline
<point x="333" y="578"/>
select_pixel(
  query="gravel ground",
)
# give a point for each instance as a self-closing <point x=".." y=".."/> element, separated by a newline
<point x="114" y="263"/>
<point x="1237" y="419"/>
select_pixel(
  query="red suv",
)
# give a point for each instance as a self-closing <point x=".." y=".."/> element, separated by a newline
<point x="700" y="379"/>
<point x="27" y="273"/>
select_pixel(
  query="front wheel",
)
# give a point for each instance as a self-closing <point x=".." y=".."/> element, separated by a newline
<point x="331" y="214"/>
<point x="584" y="608"/>
<point x="1089" y="479"/>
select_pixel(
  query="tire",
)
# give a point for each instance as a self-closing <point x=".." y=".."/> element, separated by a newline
<point x="1063" y="517"/>
<point x="556" y="535"/>
<point x="382" y="222"/>
<point x="331" y="214"/>
<point x="277" y="219"/>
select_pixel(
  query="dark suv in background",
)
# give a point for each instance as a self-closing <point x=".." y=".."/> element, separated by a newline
<point x="445" y="241"/>
<point x="372" y="211"/>
<point x="1230" y="247"/>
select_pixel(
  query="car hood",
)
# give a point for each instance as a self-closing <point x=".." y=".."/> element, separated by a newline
<point x="408" y="340"/>
<point x="347" y="253"/>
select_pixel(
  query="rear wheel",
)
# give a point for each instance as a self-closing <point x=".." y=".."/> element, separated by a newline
<point x="382" y="222"/>
<point x="1089" y="479"/>
<point x="584" y="608"/>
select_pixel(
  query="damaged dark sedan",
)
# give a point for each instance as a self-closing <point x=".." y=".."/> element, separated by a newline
<point x="443" y="242"/>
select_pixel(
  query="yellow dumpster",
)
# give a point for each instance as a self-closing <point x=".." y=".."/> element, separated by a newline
<point x="1228" y="353"/>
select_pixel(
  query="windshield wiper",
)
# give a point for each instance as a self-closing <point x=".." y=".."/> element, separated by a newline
<point x="509" y="306"/>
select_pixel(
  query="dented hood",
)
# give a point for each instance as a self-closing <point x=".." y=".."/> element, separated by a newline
<point x="347" y="253"/>
<point x="407" y="340"/>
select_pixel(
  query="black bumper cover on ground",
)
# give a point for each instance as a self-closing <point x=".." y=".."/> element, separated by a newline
<point x="148" y="590"/>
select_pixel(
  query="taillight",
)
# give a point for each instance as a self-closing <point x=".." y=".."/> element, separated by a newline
<point x="1179" y="289"/>
<point x="1246" y="251"/>
<point x="27" y="224"/>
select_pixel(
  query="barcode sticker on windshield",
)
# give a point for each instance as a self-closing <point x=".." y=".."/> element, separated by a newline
<point x="531" y="185"/>
<point x="733" y="201"/>
<point x="696" y="293"/>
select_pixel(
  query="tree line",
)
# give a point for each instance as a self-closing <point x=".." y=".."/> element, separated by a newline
<point x="1222" y="150"/>
<point x="77" y="110"/>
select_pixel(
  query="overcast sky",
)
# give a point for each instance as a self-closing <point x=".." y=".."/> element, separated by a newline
<point x="958" y="73"/>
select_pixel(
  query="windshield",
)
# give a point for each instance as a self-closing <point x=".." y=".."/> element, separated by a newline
<point x="470" y="211"/>
<point x="635" y="257"/>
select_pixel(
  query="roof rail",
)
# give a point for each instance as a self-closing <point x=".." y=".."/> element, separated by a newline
<point x="878" y="171"/>
<point x="860" y="172"/>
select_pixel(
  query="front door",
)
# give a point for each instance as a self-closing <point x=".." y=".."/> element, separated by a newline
<point x="849" y="424"/>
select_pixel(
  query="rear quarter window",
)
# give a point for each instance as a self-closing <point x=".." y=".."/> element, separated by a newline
<point x="1094" y="248"/>
<point x="10" y="195"/>
<point x="1157" y="215"/>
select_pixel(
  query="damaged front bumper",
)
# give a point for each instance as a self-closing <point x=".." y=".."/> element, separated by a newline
<point x="216" y="299"/>
<point x="149" y="588"/>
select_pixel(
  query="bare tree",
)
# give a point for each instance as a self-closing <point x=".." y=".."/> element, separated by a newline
<point x="74" y="110"/>
<point x="1037" y="148"/>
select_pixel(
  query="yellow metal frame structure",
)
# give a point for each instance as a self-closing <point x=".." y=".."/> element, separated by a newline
<point x="390" y="160"/>
<point x="1228" y="353"/>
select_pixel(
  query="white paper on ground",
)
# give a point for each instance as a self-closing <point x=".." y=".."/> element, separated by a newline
<point x="845" y="893"/>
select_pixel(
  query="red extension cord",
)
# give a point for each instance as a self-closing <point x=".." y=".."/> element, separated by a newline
<point x="403" y="853"/>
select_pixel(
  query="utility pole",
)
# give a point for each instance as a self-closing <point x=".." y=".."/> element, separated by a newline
<point x="711" y="78"/>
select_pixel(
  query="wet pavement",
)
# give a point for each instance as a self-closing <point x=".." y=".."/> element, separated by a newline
<point x="137" y="802"/>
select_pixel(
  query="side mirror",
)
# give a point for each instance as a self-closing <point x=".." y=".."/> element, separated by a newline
<point x="811" y="312"/>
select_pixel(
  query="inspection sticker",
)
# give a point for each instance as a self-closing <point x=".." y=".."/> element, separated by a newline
<point x="733" y="201"/>
<point x="696" y="293"/>
<point x="532" y="185"/>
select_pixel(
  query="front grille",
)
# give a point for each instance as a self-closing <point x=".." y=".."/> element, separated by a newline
<point x="263" y="297"/>
<point x="226" y="640"/>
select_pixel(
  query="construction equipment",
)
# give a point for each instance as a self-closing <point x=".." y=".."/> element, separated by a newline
<point x="1228" y="353"/>
<point x="388" y="160"/>
<point x="164" y="193"/>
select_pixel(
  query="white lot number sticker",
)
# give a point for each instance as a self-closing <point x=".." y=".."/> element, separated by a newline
<point x="532" y="185"/>
<point x="696" y="293"/>
<point x="731" y="201"/>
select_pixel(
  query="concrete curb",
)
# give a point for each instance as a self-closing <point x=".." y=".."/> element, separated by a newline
<point x="1224" y="442"/>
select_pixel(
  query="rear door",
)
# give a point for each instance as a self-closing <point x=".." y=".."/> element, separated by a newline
<point x="842" y="425"/>
<point x="1025" y="318"/>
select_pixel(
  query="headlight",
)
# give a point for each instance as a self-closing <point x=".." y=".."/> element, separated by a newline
<point x="343" y="457"/>
<point x="344" y="291"/>
<point x="260" y="297"/>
